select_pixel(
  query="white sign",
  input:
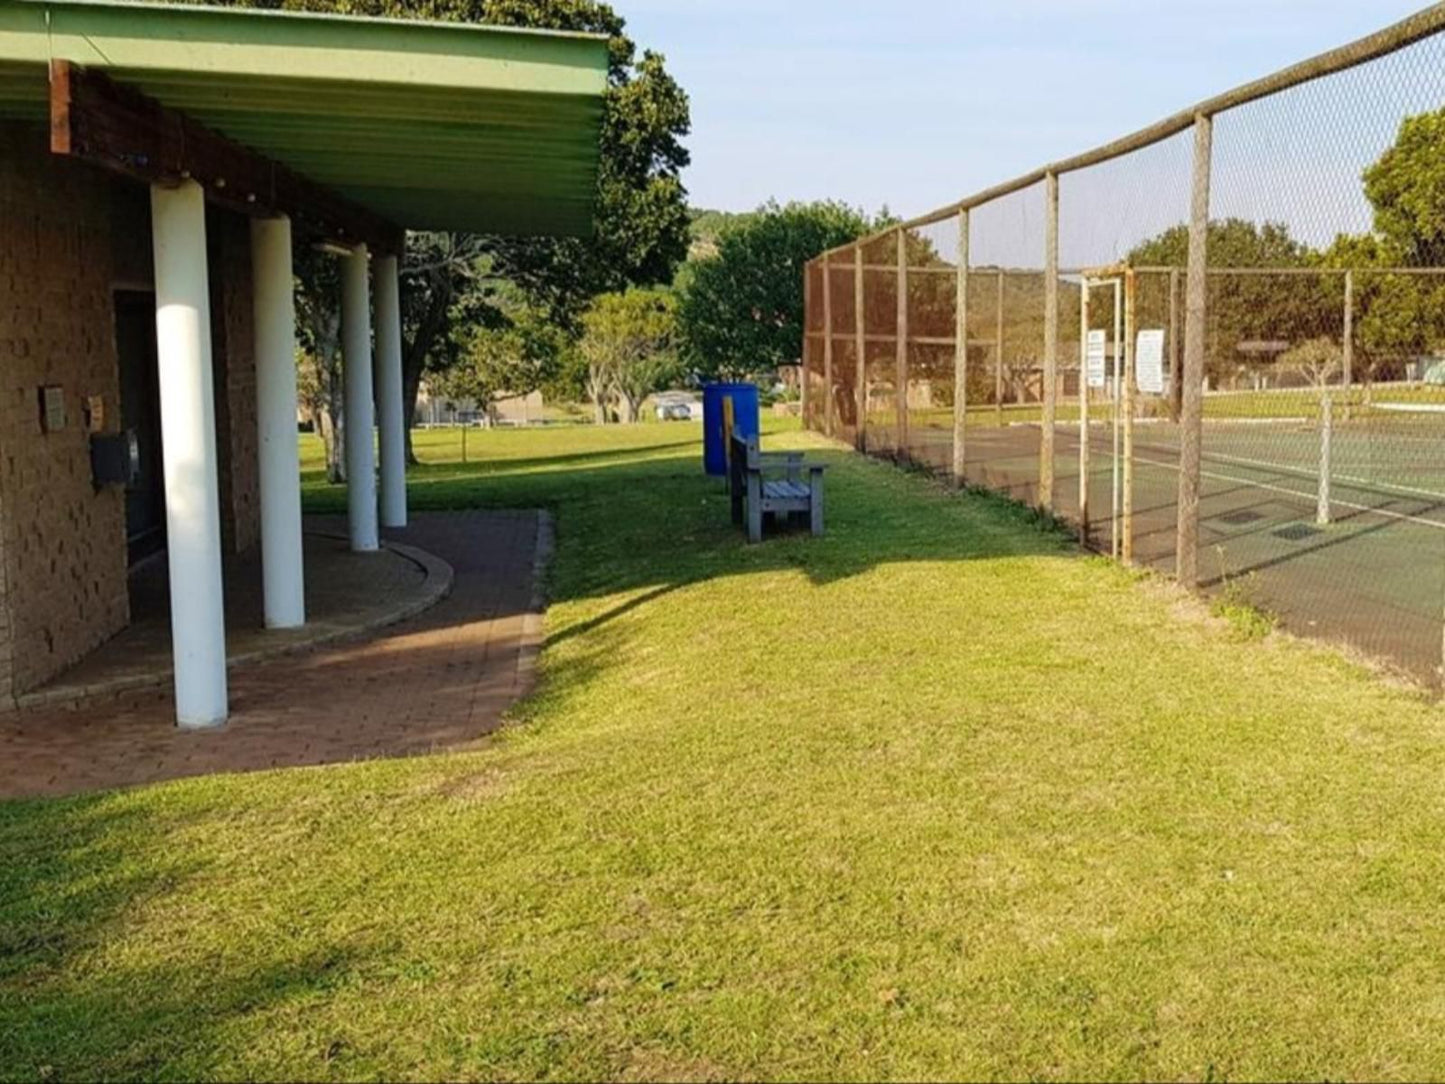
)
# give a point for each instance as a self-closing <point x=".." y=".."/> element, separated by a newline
<point x="1149" y="361"/>
<point x="1095" y="348"/>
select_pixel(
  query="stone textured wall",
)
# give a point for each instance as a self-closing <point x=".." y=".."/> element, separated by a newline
<point x="62" y="544"/>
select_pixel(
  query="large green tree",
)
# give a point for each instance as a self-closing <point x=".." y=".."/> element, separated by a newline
<point x="1400" y="316"/>
<point x="1246" y="309"/>
<point x="742" y="309"/>
<point x="641" y="216"/>
<point x="628" y="345"/>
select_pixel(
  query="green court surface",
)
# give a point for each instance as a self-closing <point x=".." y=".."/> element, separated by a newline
<point x="1372" y="576"/>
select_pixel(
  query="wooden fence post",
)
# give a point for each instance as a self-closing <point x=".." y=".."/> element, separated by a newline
<point x="827" y="347"/>
<point x="998" y="354"/>
<point x="1084" y="411"/>
<point x="1195" y="314"/>
<point x="1051" y="340"/>
<point x="860" y="390"/>
<point x="960" y="353"/>
<point x="1127" y="549"/>
<point x="900" y="380"/>
<point x="1348" y="335"/>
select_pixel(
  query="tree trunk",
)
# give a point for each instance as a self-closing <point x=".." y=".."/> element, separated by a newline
<point x="414" y="354"/>
<point x="630" y="404"/>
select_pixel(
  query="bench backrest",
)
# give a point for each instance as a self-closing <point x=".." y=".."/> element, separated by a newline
<point x="744" y="451"/>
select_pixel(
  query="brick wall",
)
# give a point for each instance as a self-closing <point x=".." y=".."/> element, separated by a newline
<point x="70" y="236"/>
<point x="62" y="544"/>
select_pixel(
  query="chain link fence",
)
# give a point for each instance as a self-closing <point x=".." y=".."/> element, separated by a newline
<point x="1216" y="346"/>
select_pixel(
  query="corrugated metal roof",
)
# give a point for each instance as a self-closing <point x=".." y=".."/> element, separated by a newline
<point x="434" y="125"/>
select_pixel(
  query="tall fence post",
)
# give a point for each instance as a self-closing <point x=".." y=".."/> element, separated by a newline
<point x="1051" y="340"/>
<point x="900" y="381"/>
<point x="1348" y="334"/>
<point x="960" y="353"/>
<point x="1127" y="551"/>
<point x="1084" y="411"/>
<point x="998" y="354"/>
<point x="827" y="347"/>
<point x="860" y="389"/>
<point x="1195" y="313"/>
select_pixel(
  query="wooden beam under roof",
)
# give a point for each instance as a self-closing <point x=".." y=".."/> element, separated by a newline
<point x="96" y="119"/>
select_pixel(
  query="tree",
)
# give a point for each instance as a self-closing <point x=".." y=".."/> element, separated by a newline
<point x="641" y="217"/>
<point x="1317" y="360"/>
<point x="629" y="343"/>
<point x="1406" y="188"/>
<point x="741" y="311"/>
<point x="1289" y="307"/>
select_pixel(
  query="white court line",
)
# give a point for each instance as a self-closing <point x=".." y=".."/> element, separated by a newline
<point x="1296" y="494"/>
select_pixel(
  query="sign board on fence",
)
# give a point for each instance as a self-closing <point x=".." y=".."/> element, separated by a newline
<point x="1094" y="357"/>
<point x="1149" y="361"/>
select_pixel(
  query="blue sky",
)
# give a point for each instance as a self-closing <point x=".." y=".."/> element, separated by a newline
<point x="915" y="103"/>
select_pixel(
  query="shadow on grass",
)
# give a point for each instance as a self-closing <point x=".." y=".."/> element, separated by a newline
<point x="74" y="1003"/>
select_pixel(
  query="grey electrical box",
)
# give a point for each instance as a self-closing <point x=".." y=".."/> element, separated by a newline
<point x="114" y="458"/>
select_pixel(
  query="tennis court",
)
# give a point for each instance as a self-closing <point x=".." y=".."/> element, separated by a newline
<point x="1372" y="577"/>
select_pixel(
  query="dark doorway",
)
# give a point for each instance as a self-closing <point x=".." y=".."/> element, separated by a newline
<point x="140" y="411"/>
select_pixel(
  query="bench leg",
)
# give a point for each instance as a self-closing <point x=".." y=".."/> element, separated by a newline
<point x="815" y="504"/>
<point x="755" y="508"/>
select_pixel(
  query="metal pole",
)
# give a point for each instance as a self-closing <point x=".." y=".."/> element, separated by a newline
<point x="808" y="303"/>
<point x="1127" y="553"/>
<point x="828" y="422"/>
<point x="1349" y="329"/>
<point x="998" y="354"/>
<point x="1051" y="339"/>
<point x="860" y="391"/>
<point x="1327" y="425"/>
<point x="1176" y="376"/>
<point x="1195" y="314"/>
<point x="960" y="353"/>
<point x="1084" y="412"/>
<point x="900" y="380"/>
<point x="1114" y="397"/>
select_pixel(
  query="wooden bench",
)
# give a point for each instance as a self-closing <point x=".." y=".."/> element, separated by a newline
<point x="753" y="494"/>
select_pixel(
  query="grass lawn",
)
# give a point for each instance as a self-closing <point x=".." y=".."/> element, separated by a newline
<point x="931" y="796"/>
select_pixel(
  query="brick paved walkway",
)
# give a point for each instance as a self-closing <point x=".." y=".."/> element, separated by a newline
<point x="440" y="680"/>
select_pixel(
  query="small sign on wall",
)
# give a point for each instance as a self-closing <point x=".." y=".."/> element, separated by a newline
<point x="95" y="413"/>
<point x="52" y="408"/>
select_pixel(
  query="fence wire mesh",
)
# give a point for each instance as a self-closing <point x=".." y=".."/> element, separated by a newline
<point x="1216" y="347"/>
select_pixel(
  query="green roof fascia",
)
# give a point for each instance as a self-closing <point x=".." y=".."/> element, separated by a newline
<point x="257" y="43"/>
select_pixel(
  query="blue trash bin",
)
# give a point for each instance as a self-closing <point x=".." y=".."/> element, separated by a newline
<point x="745" y="421"/>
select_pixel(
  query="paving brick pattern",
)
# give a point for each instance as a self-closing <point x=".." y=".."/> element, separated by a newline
<point x="436" y="682"/>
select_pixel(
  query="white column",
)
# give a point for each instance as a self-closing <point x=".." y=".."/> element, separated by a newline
<point x="274" y="306"/>
<point x="360" y="410"/>
<point x="391" y="418"/>
<point x="188" y="437"/>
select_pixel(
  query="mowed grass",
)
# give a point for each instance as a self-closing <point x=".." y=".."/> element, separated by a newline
<point x="932" y="796"/>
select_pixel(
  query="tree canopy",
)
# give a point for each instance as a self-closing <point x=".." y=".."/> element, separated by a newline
<point x="742" y="309"/>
